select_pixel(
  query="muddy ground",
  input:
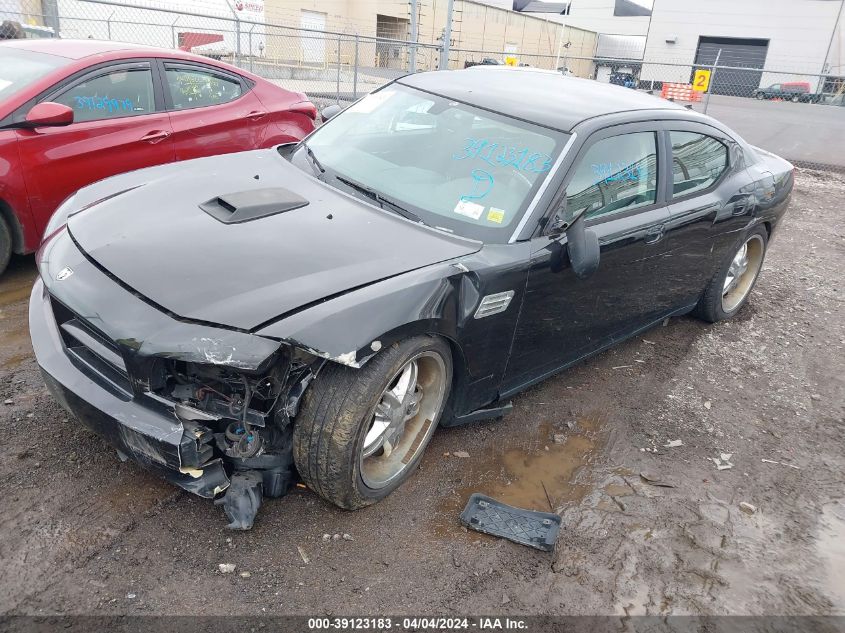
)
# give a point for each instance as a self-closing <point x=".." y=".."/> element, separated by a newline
<point x="81" y="532"/>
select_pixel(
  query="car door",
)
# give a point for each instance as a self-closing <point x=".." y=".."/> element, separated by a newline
<point x="711" y="198"/>
<point x="119" y="126"/>
<point x="211" y="111"/>
<point x="617" y="181"/>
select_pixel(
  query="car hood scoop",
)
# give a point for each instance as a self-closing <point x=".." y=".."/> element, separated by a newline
<point x="243" y="206"/>
<point x="264" y="263"/>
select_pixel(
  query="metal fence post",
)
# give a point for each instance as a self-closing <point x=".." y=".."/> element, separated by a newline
<point x="237" y="40"/>
<point x="355" y="72"/>
<point x="251" y="55"/>
<point x="173" y="41"/>
<point x="414" y="36"/>
<point x="337" y="86"/>
<point x="108" y="25"/>
<point x="712" y="80"/>
<point x="447" y="36"/>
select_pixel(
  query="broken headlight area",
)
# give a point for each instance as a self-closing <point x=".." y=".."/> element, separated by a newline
<point x="243" y="419"/>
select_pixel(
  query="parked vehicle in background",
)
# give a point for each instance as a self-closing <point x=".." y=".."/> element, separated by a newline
<point x="74" y="112"/>
<point x="794" y="91"/>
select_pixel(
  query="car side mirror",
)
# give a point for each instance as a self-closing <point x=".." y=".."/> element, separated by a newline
<point x="582" y="244"/>
<point x="48" y="114"/>
<point x="330" y="111"/>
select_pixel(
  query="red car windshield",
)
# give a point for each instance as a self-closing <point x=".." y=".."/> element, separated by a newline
<point x="20" y="68"/>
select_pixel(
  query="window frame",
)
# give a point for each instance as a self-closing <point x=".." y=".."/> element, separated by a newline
<point x="95" y="72"/>
<point x="735" y="154"/>
<point x="620" y="129"/>
<point x="179" y="64"/>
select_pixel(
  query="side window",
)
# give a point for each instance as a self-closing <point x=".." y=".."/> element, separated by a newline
<point x="197" y="88"/>
<point x="697" y="161"/>
<point x="111" y="95"/>
<point x="617" y="173"/>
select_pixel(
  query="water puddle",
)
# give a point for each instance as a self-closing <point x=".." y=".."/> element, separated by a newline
<point x="537" y="475"/>
<point x="830" y="544"/>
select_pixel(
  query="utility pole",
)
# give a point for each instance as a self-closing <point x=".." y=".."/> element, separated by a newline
<point x="447" y="36"/>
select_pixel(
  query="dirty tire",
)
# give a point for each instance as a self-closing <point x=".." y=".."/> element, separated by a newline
<point x="710" y="306"/>
<point x="336" y="414"/>
<point x="5" y="244"/>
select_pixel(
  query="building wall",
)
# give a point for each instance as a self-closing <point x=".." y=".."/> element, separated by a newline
<point x="798" y="31"/>
<point x="597" y="15"/>
<point x="476" y="27"/>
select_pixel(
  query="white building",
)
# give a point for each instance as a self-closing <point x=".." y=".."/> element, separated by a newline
<point x="783" y="40"/>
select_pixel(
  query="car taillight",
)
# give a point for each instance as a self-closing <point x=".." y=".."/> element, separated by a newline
<point x="305" y="107"/>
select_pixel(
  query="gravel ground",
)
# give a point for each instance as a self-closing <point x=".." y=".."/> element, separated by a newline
<point x="82" y="533"/>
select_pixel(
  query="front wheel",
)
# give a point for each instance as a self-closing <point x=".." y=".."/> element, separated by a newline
<point x="728" y="291"/>
<point x="361" y="432"/>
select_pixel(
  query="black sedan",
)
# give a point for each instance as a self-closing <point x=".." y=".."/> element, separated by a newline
<point x="318" y="309"/>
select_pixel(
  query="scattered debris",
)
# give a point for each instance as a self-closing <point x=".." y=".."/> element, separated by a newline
<point x="302" y="553"/>
<point x="327" y="537"/>
<point x="130" y="596"/>
<point x="747" y="507"/>
<point x="559" y="438"/>
<point x="723" y="462"/>
<point x="226" y="568"/>
<point x="335" y="537"/>
<point x="460" y="453"/>
<point x="647" y="342"/>
<point x="655" y="481"/>
<point x="771" y="461"/>
<point x="673" y="443"/>
<point x="347" y="537"/>
<point x="816" y="396"/>
<point x="622" y="367"/>
<point x="707" y="404"/>
<point x="505" y="598"/>
<point x="245" y="574"/>
<point x="526" y="527"/>
<point x="8" y="401"/>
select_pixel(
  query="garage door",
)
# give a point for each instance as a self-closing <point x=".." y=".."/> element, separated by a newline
<point x="739" y="53"/>
<point x="313" y="44"/>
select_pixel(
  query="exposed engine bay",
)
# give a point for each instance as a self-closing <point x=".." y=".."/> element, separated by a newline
<point x="243" y="419"/>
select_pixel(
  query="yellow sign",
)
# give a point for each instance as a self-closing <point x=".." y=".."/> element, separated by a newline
<point x="510" y="60"/>
<point x="701" y="80"/>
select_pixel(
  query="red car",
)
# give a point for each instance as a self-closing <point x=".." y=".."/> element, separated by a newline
<point x="73" y="112"/>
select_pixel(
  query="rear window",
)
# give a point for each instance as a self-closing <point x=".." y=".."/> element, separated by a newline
<point x="20" y="68"/>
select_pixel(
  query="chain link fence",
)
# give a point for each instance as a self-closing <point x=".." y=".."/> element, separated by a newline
<point x="790" y="111"/>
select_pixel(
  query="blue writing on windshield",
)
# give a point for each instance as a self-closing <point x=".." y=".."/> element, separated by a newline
<point x="499" y="155"/>
<point x="482" y="185"/>
<point x="613" y="172"/>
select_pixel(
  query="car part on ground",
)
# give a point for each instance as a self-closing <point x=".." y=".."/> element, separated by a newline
<point x="526" y="527"/>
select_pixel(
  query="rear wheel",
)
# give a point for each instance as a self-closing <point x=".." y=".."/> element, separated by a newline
<point x="760" y="95"/>
<point x="361" y="432"/>
<point x="728" y="291"/>
<point x="5" y="244"/>
<point x="795" y="98"/>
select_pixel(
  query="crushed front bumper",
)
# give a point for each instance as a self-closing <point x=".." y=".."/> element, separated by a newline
<point x="140" y="427"/>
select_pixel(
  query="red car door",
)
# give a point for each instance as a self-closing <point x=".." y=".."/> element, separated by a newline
<point x="212" y="111"/>
<point x="119" y="126"/>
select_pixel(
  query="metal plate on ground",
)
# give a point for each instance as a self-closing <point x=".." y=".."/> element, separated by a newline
<point x="527" y="527"/>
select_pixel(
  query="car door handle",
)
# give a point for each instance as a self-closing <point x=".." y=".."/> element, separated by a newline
<point x="654" y="233"/>
<point x="256" y="114"/>
<point x="155" y="136"/>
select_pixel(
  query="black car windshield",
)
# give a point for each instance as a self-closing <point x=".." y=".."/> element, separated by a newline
<point x="456" y="167"/>
<point x="19" y="68"/>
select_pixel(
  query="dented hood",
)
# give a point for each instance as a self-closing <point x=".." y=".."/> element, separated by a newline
<point x="149" y="231"/>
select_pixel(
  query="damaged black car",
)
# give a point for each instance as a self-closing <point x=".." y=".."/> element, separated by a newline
<point x="315" y="311"/>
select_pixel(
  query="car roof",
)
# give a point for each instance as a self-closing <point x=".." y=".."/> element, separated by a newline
<point x="540" y="96"/>
<point x="77" y="49"/>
